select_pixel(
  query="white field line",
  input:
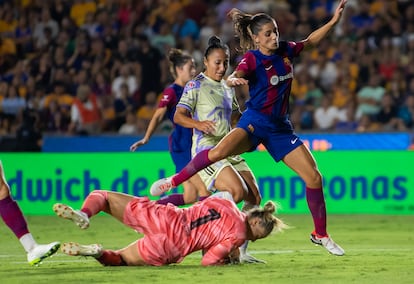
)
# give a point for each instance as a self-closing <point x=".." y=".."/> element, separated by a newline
<point x="196" y="255"/>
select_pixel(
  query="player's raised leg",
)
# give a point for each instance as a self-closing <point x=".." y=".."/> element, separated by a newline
<point x="94" y="203"/>
<point x="97" y="201"/>
<point x="77" y="216"/>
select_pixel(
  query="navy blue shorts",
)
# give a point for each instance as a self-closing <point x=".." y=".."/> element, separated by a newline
<point x="179" y="143"/>
<point x="277" y="136"/>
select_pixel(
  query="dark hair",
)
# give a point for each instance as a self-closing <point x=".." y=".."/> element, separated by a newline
<point x="246" y="24"/>
<point x="214" y="42"/>
<point x="177" y="58"/>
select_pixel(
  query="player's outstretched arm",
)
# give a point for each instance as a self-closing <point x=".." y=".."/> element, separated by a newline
<point x="152" y="126"/>
<point x="315" y="37"/>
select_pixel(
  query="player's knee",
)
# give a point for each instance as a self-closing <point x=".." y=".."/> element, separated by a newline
<point x="190" y="199"/>
<point x="237" y="193"/>
<point x="4" y="191"/>
<point x="314" y="180"/>
<point x="216" y="154"/>
<point x="103" y="193"/>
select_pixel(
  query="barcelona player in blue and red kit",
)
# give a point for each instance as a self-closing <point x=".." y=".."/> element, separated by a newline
<point x="267" y="69"/>
<point x="267" y="114"/>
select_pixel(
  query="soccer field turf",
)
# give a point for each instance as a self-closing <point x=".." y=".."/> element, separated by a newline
<point x="379" y="249"/>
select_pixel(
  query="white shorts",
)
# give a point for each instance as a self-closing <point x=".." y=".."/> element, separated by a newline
<point x="210" y="174"/>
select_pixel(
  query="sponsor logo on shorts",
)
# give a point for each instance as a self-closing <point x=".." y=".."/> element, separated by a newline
<point x="293" y="141"/>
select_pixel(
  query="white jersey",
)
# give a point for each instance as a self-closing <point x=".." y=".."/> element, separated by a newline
<point x="207" y="99"/>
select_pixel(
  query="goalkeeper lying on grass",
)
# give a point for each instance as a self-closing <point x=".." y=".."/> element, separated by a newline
<point x="214" y="225"/>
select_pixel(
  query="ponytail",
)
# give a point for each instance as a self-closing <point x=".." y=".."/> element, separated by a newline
<point x="268" y="220"/>
<point x="214" y="42"/>
<point x="177" y="58"/>
<point x="245" y="25"/>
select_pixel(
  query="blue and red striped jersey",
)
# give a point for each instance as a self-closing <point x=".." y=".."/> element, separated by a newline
<point x="181" y="137"/>
<point x="270" y="78"/>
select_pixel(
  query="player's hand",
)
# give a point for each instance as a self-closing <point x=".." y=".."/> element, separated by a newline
<point x="206" y="126"/>
<point x="234" y="256"/>
<point x="339" y="10"/>
<point x="137" y="144"/>
<point x="233" y="81"/>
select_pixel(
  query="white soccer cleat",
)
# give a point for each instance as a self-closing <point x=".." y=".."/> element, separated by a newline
<point x="75" y="249"/>
<point x="66" y="212"/>
<point x="328" y="243"/>
<point x="247" y="258"/>
<point x="161" y="186"/>
<point x="40" y="252"/>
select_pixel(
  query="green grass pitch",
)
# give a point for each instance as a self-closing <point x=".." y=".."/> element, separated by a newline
<point x="379" y="249"/>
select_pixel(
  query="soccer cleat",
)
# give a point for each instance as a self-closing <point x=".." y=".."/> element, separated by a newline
<point x="161" y="186"/>
<point x="66" y="212"/>
<point x="247" y="258"/>
<point x="327" y="243"/>
<point x="76" y="249"/>
<point x="40" y="252"/>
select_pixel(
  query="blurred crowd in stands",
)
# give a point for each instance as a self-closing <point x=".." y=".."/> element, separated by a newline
<point x="85" y="67"/>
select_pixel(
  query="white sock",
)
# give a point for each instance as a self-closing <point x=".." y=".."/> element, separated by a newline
<point x="28" y="242"/>
<point x="243" y="247"/>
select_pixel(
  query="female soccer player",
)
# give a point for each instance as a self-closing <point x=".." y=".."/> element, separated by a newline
<point x="210" y="107"/>
<point x="13" y="217"/>
<point x="267" y="68"/>
<point x="182" y="68"/>
<point x="214" y="225"/>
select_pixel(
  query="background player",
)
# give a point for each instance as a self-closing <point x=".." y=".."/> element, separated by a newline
<point x="182" y="69"/>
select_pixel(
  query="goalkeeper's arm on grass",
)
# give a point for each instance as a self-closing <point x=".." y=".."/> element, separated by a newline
<point x="223" y="253"/>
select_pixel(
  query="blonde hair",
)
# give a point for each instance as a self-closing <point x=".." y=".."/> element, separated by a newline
<point x="267" y="220"/>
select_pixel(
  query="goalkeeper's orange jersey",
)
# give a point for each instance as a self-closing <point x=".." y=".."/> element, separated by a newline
<point x="214" y="225"/>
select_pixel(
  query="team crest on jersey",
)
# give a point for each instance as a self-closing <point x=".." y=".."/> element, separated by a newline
<point x="286" y="61"/>
<point x="191" y="85"/>
<point x="251" y="128"/>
